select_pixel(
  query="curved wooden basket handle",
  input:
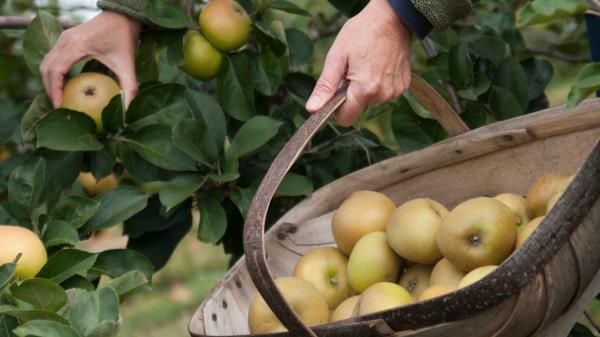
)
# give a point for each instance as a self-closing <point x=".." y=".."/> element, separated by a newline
<point x="254" y="243"/>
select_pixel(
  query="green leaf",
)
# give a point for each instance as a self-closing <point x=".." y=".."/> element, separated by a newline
<point x="154" y="144"/>
<point x="77" y="282"/>
<point x="140" y="169"/>
<point x="480" y="86"/>
<point x="234" y="85"/>
<point x="40" y="293"/>
<point x="539" y="73"/>
<point x="128" y="284"/>
<point x="146" y="66"/>
<point x="26" y="315"/>
<point x="66" y="130"/>
<point x="230" y="171"/>
<point x="66" y="263"/>
<point x="205" y="108"/>
<point x="192" y="137"/>
<point x="461" y="66"/>
<point x="39" y="37"/>
<point x="288" y="6"/>
<point x="511" y="76"/>
<point x="9" y="121"/>
<point x="542" y="11"/>
<point x="504" y="105"/>
<point x="587" y="82"/>
<point x="295" y="185"/>
<point x="266" y="72"/>
<point x="113" y="116"/>
<point x="45" y="328"/>
<point x="90" y="309"/>
<point x="349" y="7"/>
<point x="301" y="46"/>
<point x="105" y="329"/>
<point x="300" y="84"/>
<point x="407" y="127"/>
<point x="242" y="198"/>
<point x="62" y="168"/>
<point x="7" y="271"/>
<point x="166" y="15"/>
<point x="270" y="40"/>
<point x="118" y="262"/>
<point x="580" y="330"/>
<point x="7" y="325"/>
<point x="153" y="100"/>
<point x="179" y="189"/>
<point x="492" y="48"/>
<point x="25" y="187"/>
<point x="255" y="133"/>
<point x="37" y="110"/>
<point x="59" y="233"/>
<point x="102" y="162"/>
<point x="116" y="206"/>
<point x="213" y="221"/>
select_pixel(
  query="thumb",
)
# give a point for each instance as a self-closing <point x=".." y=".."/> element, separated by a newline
<point x="128" y="82"/>
<point x="334" y="71"/>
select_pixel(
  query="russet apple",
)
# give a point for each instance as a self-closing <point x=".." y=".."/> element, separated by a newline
<point x="445" y="273"/>
<point x="412" y="230"/>
<point x="372" y="260"/>
<point x="382" y="296"/>
<point x="527" y="230"/>
<point x="517" y="204"/>
<point x="543" y="189"/>
<point x="225" y="23"/>
<point x="416" y="279"/>
<point x="362" y="213"/>
<point x="95" y="187"/>
<point x="325" y="268"/>
<point x="478" y="232"/>
<point x="476" y="275"/>
<point x="436" y="291"/>
<point x="345" y="310"/>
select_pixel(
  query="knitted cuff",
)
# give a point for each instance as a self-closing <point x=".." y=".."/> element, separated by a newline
<point x="442" y="13"/>
<point x="131" y="8"/>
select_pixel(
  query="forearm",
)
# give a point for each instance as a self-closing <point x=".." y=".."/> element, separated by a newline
<point x="131" y="8"/>
<point x="423" y="15"/>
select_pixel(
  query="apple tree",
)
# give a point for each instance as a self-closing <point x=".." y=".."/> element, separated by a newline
<point x="185" y="144"/>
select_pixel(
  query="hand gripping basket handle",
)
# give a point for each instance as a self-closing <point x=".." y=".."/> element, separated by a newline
<point x="254" y="244"/>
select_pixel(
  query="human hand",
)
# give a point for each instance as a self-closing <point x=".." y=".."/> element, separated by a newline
<point x="372" y="51"/>
<point x="110" y="37"/>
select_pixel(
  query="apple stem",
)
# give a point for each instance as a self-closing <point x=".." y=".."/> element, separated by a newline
<point x="17" y="258"/>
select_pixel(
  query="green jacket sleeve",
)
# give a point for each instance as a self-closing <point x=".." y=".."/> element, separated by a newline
<point x="131" y="8"/>
<point x="442" y="13"/>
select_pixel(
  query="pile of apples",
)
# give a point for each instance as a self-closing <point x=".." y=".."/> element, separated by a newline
<point x="389" y="256"/>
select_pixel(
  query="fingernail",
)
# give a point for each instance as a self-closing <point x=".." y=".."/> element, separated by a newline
<point x="313" y="103"/>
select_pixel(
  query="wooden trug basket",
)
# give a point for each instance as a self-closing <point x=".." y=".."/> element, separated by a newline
<point x="540" y="290"/>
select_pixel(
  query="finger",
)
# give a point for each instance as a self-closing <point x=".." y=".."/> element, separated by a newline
<point x="58" y="67"/>
<point x="124" y="68"/>
<point x="353" y="107"/>
<point x="334" y="71"/>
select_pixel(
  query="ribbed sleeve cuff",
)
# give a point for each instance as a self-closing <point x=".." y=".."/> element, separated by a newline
<point x="131" y="8"/>
<point x="411" y="17"/>
<point x="442" y="13"/>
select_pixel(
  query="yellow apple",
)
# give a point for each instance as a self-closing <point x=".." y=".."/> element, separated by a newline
<point x="325" y="268"/>
<point x="95" y="187"/>
<point x="302" y="296"/>
<point x="553" y="200"/>
<point x="90" y="93"/>
<point x="517" y="205"/>
<point x="362" y="213"/>
<point x="225" y="24"/>
<point x="444" y="273"/>
<point x="412" y="230"/>
<point x="15" y="240"/>
<point x="543" y="189"/>
<point x="527" y="230"/>
<point x="382" y="296"/>
<point x="436" y="291"/>
<point x="476" y="275"/>
<point x="4" y="154"/>
<point x="416" y="279"/>
<point x="345" y="310"/>
<point x="478" y="232"/>
<point x="202" y="60"/>
<point x="372" y="261"/>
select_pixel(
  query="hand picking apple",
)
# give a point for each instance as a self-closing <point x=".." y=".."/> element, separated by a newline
<point x="387" y="257"/>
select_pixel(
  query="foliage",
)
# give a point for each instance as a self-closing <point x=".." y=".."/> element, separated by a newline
<point x="185" y="144"/>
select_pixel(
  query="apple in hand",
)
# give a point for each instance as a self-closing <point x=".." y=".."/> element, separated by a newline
<point x="15" y="240"/>
<point x="362" y="213"/>
<point x="325" y="268"/>
<point x="412" y="230"/>
<point x="302" y="296"/>
<point x="445" y="273"/>
<point x="372" y="260"/>
<point x="382" y="296"/>
<point x="477" y="233"/>
<point x="90" y="93"/>
<point x="345" y="310"/>
<point x="416" y="279"/>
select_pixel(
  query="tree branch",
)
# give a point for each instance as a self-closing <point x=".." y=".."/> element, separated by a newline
<point x="560" y="55"/>
<point x="21" y="22"/>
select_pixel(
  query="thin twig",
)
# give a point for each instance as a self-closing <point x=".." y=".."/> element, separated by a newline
<point x="560" y="56"/>
<point x="21" y="22"/>
<point x="330" y="142"/>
